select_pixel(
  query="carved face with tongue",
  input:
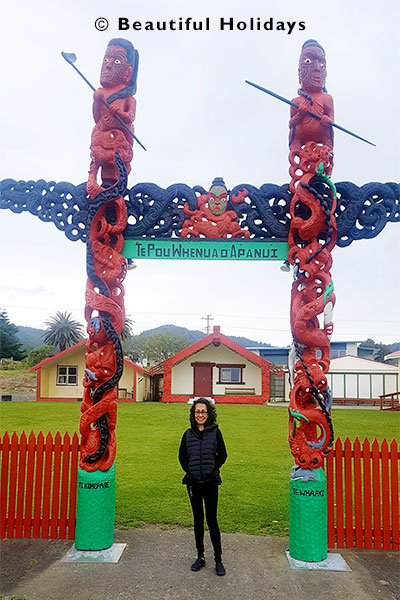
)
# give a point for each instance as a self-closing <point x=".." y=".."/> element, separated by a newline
<point x="217" y="199"/>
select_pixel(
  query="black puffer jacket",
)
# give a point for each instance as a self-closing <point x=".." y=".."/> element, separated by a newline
<point x="201" y="454"/>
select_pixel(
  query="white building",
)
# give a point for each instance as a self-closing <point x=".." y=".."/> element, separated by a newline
<point x="353" y="378"/>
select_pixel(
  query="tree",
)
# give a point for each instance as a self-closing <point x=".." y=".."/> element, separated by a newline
<point x="133" y="349"/>
<point x="127" y="331"/>
<point x="62" y="331"/>
<point x="380" y="350"/>
<point x="10" y="347"/>
<point x="36" y="355"/>
<point x="160" y="346"/>
<point x="369" y="343"/>
<point x="156" y="347"/>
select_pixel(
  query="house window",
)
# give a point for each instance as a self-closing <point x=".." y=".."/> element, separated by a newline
<point x="231" y="374"/>
<point x="67" y="375"/>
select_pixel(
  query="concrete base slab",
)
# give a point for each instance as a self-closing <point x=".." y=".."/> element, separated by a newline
<point x="333" y="562"/>
<point x="109" y="555"/>
<point x="155" y="565"/>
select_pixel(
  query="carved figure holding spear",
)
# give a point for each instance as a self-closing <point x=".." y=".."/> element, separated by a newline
<point x="312" y="99"/>
<point x="114" y="99"/>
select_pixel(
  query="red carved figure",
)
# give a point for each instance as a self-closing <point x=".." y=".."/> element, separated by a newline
<point x="313" y="98"/>
<point x="111" y="150"/>
<point x="100" y="365"/>
<point x="211" y="219"/>
<point x="312" y="237"/>
<point x="118" y="80"/>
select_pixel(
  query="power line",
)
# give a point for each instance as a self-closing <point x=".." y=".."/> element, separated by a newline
<point x="208" y="318"/>
<point x="189" y="314"/>
<point x="287" y="330"/>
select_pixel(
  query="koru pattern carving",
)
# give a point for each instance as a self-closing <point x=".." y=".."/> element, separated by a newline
<point x="111" y="152"/>
<point x="361" y="211"/>
<point x="312" y="237"/>
<point x="310" y="213"/>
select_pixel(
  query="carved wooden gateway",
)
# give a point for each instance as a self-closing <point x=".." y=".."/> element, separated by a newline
<point x="299" y="222"/>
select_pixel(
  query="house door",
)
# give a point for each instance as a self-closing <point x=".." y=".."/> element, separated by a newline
<point x="202" y="379"/>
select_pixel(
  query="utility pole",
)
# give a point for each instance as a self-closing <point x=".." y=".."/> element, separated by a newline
<point x="208" y="318"/>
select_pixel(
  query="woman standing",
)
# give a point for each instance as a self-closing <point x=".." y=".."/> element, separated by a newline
<point x="202" y="452"/>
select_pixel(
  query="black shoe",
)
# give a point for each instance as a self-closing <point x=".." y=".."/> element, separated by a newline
<point x="198" y="564"/>
<point x="219" y="568"/>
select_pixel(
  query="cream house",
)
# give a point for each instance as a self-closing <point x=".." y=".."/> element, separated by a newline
<point x="59" y="378"/>
<point x="217" y="367"/>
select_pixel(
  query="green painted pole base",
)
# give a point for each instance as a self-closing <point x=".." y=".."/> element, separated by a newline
<point x="308" y="519"/>
<point x="95" y="510"/>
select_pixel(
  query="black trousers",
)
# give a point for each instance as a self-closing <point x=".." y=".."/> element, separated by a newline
<point x="207" y="492"/>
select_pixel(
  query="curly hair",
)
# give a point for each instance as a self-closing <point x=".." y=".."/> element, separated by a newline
<point x="212" y="414"/>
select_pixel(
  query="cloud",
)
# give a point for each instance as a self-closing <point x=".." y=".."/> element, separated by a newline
<point x="12" y="292"/>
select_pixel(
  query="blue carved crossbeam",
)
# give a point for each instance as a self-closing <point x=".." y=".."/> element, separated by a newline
<point x="155" y="212"/>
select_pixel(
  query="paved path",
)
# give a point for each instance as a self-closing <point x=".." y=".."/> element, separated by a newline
<point x="156" y="566"/>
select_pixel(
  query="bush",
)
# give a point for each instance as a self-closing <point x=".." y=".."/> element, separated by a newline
<point x="36" y="355"/>
<point x="7" y="364"/>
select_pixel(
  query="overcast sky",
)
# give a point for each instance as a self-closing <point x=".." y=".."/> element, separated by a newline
<point x="199" y="120"/>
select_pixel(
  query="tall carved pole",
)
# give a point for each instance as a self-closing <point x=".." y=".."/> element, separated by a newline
<point x="111" y="154"/>
<point x="312" y="237"/>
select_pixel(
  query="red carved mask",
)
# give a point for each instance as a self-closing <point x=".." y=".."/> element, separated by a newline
<point x="312" y="69"/>
<point x="217" y="199"/>
<point x="116" y="68"/>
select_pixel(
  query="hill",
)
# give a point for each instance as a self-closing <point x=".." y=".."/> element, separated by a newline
<point x="194" y="335"/>
<point x="30" y="337"/>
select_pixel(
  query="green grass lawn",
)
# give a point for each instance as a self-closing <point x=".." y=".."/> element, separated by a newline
<point x="254" y="495"/>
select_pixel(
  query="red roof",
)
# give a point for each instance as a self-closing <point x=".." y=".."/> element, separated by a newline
<point x="57" y="356"/>
<point x="395" y="354"/>
<point x="157" y="369"/>
<point x="71" y="349"/>
<point x="217" y="338"/>
<point x="134" y="365"/>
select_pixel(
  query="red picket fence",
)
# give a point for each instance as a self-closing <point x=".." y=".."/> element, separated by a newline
<point x="38" y="484"/>
<point x="39" y="480"/>
<point x="363" y="495"/>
